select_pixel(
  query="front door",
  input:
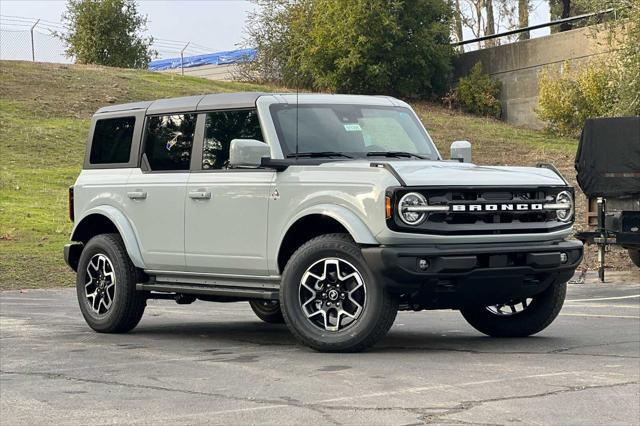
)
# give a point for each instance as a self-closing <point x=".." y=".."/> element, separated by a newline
<point x="226" y="209"/>
<point x="155" y="193"/>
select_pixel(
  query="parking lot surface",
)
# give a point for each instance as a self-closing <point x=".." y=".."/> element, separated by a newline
<point x="217" y="363"/>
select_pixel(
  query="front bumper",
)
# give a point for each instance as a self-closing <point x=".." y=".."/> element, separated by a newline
<point x="459" y="275"/>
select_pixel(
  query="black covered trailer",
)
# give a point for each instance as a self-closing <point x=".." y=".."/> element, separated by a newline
<point x="608" y="166"/>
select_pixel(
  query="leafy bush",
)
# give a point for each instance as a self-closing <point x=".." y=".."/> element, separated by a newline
<point x="568" y="97"/>
<point x="628" y="63"/>
<point x="610" y="87"/>
<point x="361" y="46"/>
<point x="476" y="93"/>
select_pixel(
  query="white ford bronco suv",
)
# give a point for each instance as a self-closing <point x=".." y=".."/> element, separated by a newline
<point x="326" y="212"/>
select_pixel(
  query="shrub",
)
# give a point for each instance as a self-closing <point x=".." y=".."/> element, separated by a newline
<point x="476" y="93"/>
<point x="628" y="65"/>
<point x="568" y="97"/>
<point x="623" y="38"/>
<point x="610" y="87"/>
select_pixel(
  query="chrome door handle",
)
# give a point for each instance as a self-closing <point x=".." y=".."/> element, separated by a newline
<point x="137" y="195"/>
<point x="200" y="195"/>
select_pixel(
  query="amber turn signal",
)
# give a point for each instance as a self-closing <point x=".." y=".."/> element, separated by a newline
<point x="387" y="207"/>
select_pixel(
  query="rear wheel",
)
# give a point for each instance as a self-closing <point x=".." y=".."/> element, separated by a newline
<point x="106" y="286"/>
<point x="518" y="318"/>
<point x="267" y="310"/>
<point x="331" y="300"/>
<point x="634" y="254"/>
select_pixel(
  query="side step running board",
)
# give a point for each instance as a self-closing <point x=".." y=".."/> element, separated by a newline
<point x="210" y="290"/>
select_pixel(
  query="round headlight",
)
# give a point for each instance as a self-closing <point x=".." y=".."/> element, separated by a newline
<point x="564" y="197"/>
<point x="412" y="199"/>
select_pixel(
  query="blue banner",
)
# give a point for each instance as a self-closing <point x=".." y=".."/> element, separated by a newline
<point x="218" y="58"/>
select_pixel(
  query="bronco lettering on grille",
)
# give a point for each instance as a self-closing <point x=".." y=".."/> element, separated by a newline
<point x="496" y="207"/>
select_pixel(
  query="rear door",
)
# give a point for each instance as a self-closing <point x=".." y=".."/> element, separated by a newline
<point x="155" y="193"/>
<point x="226" y="209"/>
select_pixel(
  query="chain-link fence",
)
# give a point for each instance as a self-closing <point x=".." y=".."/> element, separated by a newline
<point x="33" y="39"/>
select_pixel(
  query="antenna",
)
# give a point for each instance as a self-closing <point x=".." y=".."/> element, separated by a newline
<point x="297" y="111"/>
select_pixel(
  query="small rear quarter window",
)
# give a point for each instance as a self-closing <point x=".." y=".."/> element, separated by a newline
<point x="112" y="139"/>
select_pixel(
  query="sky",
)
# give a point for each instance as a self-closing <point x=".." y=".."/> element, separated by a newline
<point x="210" y="25"/>
<point x="213" y="24"/>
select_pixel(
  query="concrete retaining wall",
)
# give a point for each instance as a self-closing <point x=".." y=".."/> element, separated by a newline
<point x="517" y="65"/>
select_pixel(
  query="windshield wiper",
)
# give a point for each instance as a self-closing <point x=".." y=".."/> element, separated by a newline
<point x="319" y="154"/>
<point x="395" y="154"/>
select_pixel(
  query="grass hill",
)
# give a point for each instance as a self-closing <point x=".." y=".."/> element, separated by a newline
<point x="44" y="119"/>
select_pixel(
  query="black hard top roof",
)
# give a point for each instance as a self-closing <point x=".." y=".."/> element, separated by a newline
<point x="189" y="103"/>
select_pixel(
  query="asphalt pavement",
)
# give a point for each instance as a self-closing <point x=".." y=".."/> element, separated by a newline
<point x="217" y="363"/>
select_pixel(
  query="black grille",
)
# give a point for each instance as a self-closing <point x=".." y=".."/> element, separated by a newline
<point x="482" y="222"/>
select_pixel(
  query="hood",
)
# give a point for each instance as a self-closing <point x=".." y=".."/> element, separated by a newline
<point x="448" y="173"/>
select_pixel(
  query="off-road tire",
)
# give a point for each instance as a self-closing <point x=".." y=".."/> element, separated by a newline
<point x="634" y="254"/>
<point x="375" y="319"/>
<point x="271" y="314"/>
<point x="128" y="304"/>
<point x="544" y="308"/>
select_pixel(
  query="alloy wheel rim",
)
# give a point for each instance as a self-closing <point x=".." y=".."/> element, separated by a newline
<point x="100" y="285"/>
<point x="513" y="307"/>
<point x="332" y="294"/>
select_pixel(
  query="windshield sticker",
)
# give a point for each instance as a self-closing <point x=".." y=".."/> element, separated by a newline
<point x="355" y="127"/>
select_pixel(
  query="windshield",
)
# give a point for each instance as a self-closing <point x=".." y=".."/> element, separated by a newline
<point x="354" y="130"/>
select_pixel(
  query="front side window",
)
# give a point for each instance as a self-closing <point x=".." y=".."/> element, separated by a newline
<point x="168" y="142"/>
<point x="112" y="139"/>
<point x="221" y="127"/>
<point x="359" y="130"/>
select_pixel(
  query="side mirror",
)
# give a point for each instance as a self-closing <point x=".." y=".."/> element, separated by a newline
<point x="247" y="153"/>
<point x="461" y="151"/>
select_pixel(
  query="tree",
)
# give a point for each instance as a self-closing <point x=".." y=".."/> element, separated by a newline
<point x="507" y="17"/>
<point x="457" y="19"/>
<point x="566" y="10"/>
<point x="490" y="27"/>
<point x="106" y="32"/>
<point x="397" y="47"/>
<point x="560" y="9"/>
<point x="276" y="29"/>
<point x="474" y="19"/>
<point x="479" y="17"/>
<point x="523" y="18"/>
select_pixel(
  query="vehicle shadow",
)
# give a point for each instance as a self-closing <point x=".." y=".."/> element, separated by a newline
<point x="471" y="342"/>
<point x="223" y="332"/>
<point x="397" y="341"/>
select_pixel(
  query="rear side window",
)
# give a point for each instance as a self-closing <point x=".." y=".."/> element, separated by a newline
<point x="168" y="142"/>
<point x="112" y="140"/>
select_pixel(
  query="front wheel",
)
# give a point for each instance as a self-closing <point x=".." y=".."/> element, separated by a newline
<point x="634" y="254"/>
<point x="331" y="300"/>
<point x="518" y="318"/>
<point x="106" y="286"/>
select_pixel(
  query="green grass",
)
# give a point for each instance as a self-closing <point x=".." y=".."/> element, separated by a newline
<point x="45" y="111"/>
<point x="44" y="119"/>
